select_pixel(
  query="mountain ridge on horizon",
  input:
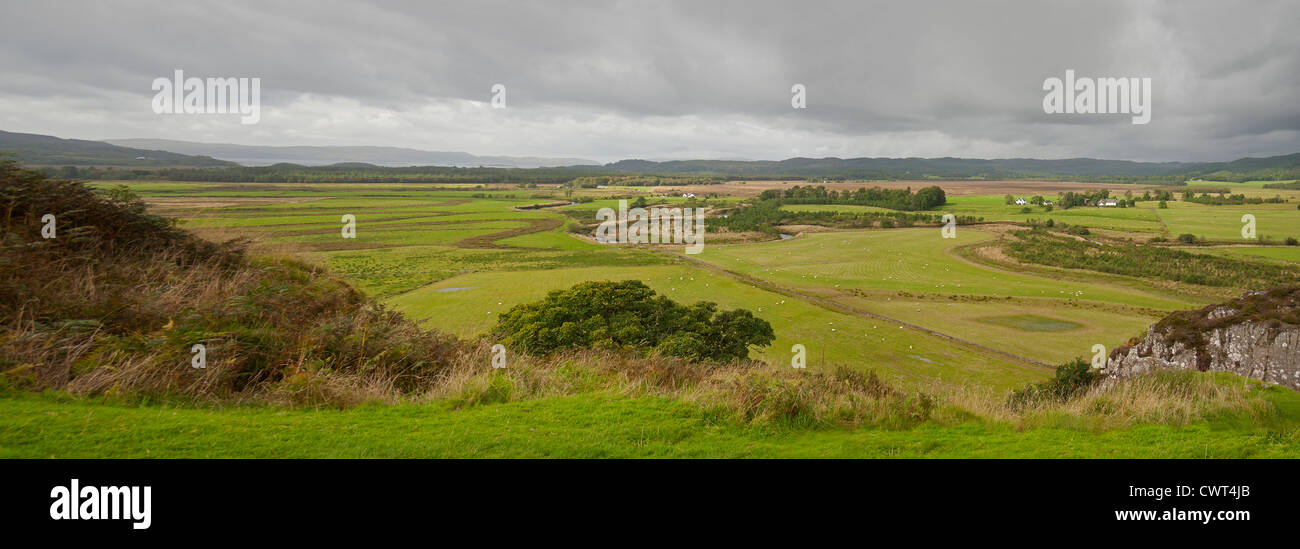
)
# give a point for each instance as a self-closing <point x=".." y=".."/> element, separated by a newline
<point x="53" y="151"/>
<point x="322" y="155"/>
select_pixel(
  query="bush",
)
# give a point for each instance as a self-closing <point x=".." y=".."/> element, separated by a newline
<point x="629" y="316"/>
<point x="1291" y="241"/>
<point x="1071" y="379"/>
<point x="1078" y="230"/>
<point x="1187" y="238"/>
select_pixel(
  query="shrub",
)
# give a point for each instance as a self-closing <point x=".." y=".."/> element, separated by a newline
<point x="629" y="316"/>
<point x="1071" y="379"/>
<point x="1187" y="238"/>
<point x="1291" y="241"/>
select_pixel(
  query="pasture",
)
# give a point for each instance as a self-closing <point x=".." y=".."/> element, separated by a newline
<point x="454" y="257"/>
<point x="931" y="315"/>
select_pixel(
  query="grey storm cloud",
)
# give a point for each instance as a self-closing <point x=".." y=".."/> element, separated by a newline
<point x="656" y="79"/>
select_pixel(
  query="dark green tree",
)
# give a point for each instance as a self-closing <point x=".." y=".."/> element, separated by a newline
<point x="629" y="316"/>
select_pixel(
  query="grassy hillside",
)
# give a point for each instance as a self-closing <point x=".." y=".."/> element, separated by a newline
<point x="583" y="426"/>
<point x="44" y="150"/>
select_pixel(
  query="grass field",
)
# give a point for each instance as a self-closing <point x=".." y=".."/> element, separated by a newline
<point x="581" y="426"/>
<point x="468" y="305"/>
<point x="910" y="275"/>
<point x="905" y="303"/>
<point x="415" y="244"/>
<point x="1277" y="253"/>
<point x="1224" y="222"/>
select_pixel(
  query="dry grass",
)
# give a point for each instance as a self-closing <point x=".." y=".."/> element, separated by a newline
<point x="1162" y="398"/>
<point x="757" y="393"/>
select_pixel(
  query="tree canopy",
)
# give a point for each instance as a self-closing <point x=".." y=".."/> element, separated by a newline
<point x="629" y="316"/>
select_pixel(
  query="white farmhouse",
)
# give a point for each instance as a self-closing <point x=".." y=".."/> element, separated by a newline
<point x="1021" y="201"/>
<point x="1108" y="202"/>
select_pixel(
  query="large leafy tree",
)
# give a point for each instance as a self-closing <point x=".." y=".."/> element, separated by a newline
<point x="629" y="316"/>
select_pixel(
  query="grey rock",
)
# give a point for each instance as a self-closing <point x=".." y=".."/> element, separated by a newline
<point x="1251" y="349"/>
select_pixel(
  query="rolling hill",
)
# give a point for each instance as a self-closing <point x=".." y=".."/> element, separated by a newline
<point x="254" y="155"/>
<point x="44" y="150"/>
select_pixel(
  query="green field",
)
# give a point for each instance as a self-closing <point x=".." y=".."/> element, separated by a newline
<point x="1224" y="222"/>
<point x="920" y="310"/>
<point x="1147" y="219"/>
<point x="415" y="242"/>
<point x="1277" y="253"/>
<point x="467" y="305"/>
<point x="1032" y="323"/>
<point x="581" y="426"/>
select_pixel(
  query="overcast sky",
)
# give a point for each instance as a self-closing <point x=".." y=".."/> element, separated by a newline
<point x="695" y="79"/>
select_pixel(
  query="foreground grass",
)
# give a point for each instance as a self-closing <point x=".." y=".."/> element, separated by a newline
<point x="588" y="425"/>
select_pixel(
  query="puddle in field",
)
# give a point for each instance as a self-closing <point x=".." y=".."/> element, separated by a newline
<point x="786" y="236"/>
<point x="923" y="359"/>
<point x="457" y="288"/>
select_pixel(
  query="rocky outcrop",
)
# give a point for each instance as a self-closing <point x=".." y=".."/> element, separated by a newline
<point x="1256" y="335"/>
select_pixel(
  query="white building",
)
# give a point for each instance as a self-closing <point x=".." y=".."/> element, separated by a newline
<point x="1021" y="202"/>
<point x="1108" y="202"/>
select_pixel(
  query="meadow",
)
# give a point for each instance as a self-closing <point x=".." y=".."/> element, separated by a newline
<point x="929" y="315"/>
<point x="591" y="425"/>
<point x="454" y="257"/>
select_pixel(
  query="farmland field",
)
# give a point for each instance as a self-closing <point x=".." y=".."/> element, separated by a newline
<point x="455" y="257"/>
<point x="924" y="312"/>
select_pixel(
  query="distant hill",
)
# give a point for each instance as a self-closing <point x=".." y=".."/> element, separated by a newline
<point x="1285" y="163"/>
<point x="397" y="164"/>
<point x="887" y="168"/>
<point x="254" y="155"/>
<point x="45" y="150"/>
<point x="1283" y="167"/>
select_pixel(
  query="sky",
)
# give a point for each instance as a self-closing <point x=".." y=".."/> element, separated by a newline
<point x="662" y="80"/>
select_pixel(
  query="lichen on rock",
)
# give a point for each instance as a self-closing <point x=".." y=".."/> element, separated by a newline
<point x="1256" y="335"/>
